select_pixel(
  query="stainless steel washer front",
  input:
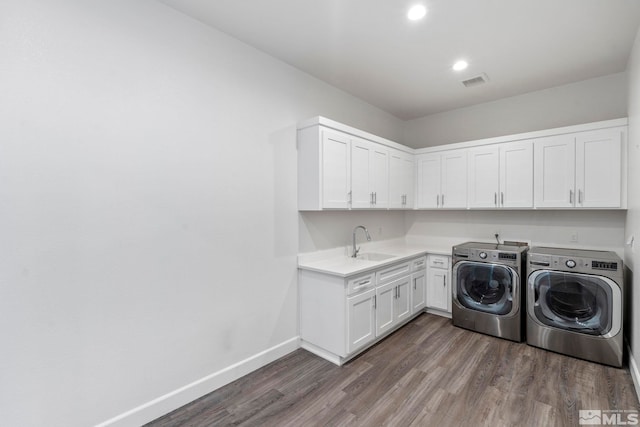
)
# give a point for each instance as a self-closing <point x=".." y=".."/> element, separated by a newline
<point x="487" y="289"/>
<point x="574" y="303"/>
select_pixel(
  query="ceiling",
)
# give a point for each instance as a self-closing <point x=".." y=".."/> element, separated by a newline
<point x="372" y="51"/>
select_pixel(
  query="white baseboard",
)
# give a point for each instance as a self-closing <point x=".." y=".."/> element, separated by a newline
<point x="190" y="392"/>
<point x="633" y="370"/>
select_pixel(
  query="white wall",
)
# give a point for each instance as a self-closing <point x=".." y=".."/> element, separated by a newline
<point x="147" y="204"/>
<point x="594" y="229"/>
<point x="326" y="230"/>
<point x="632" y="254"/>
<point x="591" y="100"/>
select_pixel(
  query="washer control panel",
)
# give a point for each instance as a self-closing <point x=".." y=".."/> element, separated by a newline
<point x="572" y="263"/>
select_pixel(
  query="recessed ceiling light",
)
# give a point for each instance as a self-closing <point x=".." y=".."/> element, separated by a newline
<point x="417" y="12"/>
<point x="460" y="65"/>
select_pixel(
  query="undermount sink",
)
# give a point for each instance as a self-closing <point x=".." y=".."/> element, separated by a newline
<point x="373" y="256"/>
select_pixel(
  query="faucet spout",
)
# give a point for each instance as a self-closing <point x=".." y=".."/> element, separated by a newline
<point x="356" y="249"/>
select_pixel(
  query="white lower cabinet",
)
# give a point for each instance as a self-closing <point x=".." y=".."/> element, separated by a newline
<point x="361" y="320"/>
<point x="419" y="290"/>
<point x="392" y="304"/>
<point x="340" y="317"/>
<point x="439" y="284"/>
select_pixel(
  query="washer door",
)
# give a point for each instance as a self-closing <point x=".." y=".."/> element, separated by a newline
<point x="576" y="302"/>
<point x="490" y="288"/>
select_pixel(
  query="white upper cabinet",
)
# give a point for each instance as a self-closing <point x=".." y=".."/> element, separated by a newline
<point x="340" y="170"/>
<point x="442" y="179"/>
<point x="401" y="180"/>
<point x="429" y="172"/>
<point x="598" y="168"/>
<point x="554" y="159"/>
<point x="335" y="170"/>
<point x="324" y="169"/>
<point x="501" y="176"/>
<point x="369" y="175"/>
<point x="516" y="175"/>
<point x="380" y="179"/>
<point x="582" y="170"/>
<point x="578" y="166"/>
<point x="484" y="177"/>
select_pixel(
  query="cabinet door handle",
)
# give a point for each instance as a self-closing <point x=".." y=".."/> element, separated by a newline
<point x="571" y="196"/>
<point x="375" y="198"/>
<point x="444" y="280"/>
<point x="415" y="283"/>
<point x="371" y="198"/>
<point x="350" y="197"/>
<point x="364" y="283"/>
<point x="438" y="200"/>
<point x="442" y="200"/>
<point x="502" y="198"/>
<point x="580" y="196"/>
<point x="495" y="199"/>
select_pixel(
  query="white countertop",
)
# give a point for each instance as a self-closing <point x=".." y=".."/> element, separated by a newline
<point x="337" y="261"/>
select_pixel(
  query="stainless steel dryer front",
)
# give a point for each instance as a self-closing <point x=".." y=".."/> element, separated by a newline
<point x="574" y="303"/>
<point x="488" y="288"/>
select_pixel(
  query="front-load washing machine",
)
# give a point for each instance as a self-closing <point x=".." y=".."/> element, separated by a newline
<point x="574" y="303"/>
<point x="487" y="288"/>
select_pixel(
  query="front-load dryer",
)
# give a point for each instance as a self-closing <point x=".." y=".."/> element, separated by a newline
<point x="487" y="288"/>
<point x="574" y="303"/>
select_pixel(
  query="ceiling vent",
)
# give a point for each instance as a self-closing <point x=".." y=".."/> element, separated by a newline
<point x="475" y="81"/>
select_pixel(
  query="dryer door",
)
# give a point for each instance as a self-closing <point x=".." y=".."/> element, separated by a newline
<point x="490" y="288"/>
<point x="576" y="302"/>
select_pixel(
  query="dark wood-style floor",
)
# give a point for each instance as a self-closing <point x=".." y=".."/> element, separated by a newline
<point x="429" y="373"/>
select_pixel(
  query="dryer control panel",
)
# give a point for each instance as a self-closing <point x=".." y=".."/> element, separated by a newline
<point x="574" y="263"/>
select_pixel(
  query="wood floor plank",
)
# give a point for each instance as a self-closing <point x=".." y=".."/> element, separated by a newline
<point x="428" y="373"/>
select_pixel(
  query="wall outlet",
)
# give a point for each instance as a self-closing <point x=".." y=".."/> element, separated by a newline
<point x="574" y="236"/>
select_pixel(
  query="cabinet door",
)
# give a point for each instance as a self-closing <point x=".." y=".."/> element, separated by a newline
<point x="598" y="168"/>
<point x="336" y="166"/>
<point x="403" y="299"/>
<point x="385" y="308"/>
<point x="438" y="289"/>
<point x="409" y="181"/>
<point x="361" y="174"/>
<point x="418" y="291"/>
<point x="400" y="166"/>
<point x="361" y="320"/>
<point x="380" y="176"/>
<point x="554" y="172"/>
<point x="516" y="175"/>
<point x="454" y="179"/>
<point x="429" y="173"/>
<point x="484" y="177"/>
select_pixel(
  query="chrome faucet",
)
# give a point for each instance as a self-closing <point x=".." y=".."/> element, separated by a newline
<point x="356" y="250"/>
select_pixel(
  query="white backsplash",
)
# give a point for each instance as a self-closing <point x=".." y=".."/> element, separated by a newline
<point x="593" y="229"/>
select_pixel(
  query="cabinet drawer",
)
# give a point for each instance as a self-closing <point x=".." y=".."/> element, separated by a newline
<point x="361" y="283"/>
<point x="393" y="272"/>
<point x="419" y="264"/>
<point x="438" y="261"/>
